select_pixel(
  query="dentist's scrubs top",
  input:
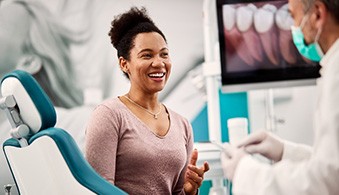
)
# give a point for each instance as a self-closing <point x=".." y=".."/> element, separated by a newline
<point x="303" y="170"/>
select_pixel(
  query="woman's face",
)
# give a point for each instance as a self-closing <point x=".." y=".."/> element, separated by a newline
<point x="149" y="66"/>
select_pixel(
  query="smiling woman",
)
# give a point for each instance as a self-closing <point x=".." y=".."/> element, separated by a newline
<point x="149" y="64"/>
<point x="135" y="141"/>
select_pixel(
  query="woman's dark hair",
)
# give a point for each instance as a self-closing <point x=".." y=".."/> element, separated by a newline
<point x="125" y="27"/>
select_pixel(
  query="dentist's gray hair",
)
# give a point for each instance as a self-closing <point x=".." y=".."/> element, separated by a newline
<point x="331" y="5"/>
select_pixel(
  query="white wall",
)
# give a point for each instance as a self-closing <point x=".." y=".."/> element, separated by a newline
<point x="294" y="105"/>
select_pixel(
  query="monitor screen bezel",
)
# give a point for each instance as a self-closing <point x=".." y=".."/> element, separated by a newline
<point x="259" y="79"/>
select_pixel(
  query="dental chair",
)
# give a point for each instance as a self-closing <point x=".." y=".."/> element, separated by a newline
<point x="43" y="159"/>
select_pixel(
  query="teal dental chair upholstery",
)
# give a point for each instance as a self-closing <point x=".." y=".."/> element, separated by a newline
<point x="43" y="159"/>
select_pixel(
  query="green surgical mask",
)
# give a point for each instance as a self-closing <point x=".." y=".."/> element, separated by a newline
<point x="312" y="51"/>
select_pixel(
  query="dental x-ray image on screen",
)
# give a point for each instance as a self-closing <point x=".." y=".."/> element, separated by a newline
<point x="256" y="45"/>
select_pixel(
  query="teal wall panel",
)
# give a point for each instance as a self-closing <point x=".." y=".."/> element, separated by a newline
<point x="231" y="105"/>
<point x="200" y="126"/>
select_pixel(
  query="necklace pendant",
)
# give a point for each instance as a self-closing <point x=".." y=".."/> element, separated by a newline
<point x="155" y="115"/>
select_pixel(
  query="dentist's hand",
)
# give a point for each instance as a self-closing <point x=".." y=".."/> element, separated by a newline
<point x="194" y="175"/>
<point x="264" y="143"/>
<point x="230" y="157"/>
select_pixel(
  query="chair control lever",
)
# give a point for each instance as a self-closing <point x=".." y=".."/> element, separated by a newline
<point x="19" y="129"/>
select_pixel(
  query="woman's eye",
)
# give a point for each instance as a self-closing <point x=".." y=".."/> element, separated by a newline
<point x="164" y="55"/>
<point x="146" y="56"/>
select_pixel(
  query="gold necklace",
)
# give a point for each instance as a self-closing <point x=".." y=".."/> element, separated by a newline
<point x="155" y="115"/>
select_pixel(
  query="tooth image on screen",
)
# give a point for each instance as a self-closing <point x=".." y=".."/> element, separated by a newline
<point x="256" y="50"/>
<point x="244" y="21"/>
<point x="234" y="40"/>
<point x="229" y="23"/>
<point x="264" y="23"/>
<point x="284" y="22"/>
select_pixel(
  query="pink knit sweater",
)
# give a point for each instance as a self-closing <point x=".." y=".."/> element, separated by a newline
<point x="122" y="149"/>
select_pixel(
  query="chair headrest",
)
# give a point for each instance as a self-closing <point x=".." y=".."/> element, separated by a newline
<point x="35" y="108"/>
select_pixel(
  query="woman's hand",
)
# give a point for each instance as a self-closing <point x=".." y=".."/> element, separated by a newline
<point x="194" y="175"/>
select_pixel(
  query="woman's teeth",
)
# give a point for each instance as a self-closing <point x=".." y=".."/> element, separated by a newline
<point x="156" y="75"/>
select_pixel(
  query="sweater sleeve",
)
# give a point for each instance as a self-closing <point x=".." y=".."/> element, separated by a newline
<point x="178" y="189"/>
<point x="102" y="134"/>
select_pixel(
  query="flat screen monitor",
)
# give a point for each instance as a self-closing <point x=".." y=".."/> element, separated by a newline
<point x="256" y="47"/>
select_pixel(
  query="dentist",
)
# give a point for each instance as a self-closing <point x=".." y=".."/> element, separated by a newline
<point x="299" y="169"/>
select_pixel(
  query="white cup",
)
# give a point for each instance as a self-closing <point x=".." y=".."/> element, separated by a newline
<point x="237" y="129"/>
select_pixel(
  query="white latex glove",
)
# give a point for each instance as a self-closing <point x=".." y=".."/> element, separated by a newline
<point x="264" y="143"/>
<point x="230" y="157"/>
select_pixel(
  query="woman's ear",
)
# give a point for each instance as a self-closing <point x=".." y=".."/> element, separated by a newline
<point x="30" y="63"/>
<point x="123" y="64"/>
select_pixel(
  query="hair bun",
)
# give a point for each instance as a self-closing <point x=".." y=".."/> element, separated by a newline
<point x="127" y="21"/>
